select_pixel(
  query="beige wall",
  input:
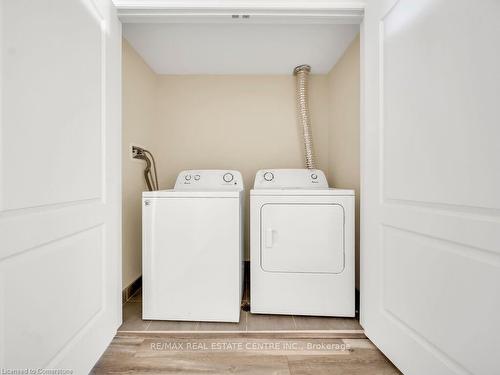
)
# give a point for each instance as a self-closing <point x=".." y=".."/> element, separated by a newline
<point x="139" y="101"/>
<point x="343" y="139"/>
<point x="234" y="122"/>
<point x="241" y="122"/>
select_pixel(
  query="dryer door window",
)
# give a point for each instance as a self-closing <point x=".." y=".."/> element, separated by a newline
<point x="307" y="238"/>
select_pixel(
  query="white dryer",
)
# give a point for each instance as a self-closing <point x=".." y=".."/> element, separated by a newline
<point x="193" y="248"/>
<point x="301" y="245"/>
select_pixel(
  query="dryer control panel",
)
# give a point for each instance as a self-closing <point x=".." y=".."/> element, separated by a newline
<point x="209" y="179"/>
<point x="290" y="179"/>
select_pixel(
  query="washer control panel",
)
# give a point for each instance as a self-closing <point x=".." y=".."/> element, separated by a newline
<point x="290" y="179"/>
<point x="209" y="180"/>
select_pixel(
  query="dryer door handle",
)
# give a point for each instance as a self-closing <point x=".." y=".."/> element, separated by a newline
<point x="269" y="237"/>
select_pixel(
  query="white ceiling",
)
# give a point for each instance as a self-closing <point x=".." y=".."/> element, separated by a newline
<point x="235" y="48"/>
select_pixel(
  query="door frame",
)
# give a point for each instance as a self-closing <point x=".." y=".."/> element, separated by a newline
<point x="224" y="11"/>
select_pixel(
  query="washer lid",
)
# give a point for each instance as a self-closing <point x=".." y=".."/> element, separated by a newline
<point x="174" y="193"/>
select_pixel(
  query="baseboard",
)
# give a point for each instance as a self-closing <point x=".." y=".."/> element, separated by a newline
<point x="357" y="302"/>
<point x="130" y="290"/>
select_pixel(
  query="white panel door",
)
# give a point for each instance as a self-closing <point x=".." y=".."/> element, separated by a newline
<point x="430" y="262"/>
<point x="60" y="179"/>
<point x="302" y="238"/>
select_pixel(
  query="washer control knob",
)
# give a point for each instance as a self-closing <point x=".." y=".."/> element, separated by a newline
<point x="268" y="176"/>
<point x="196" y="177"/>
<point x="314" y="176"/>
<point x="187" y="177"/>
<point x="228" y="177"/>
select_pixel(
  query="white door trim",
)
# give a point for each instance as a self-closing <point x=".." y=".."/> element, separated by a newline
<point x="322" y="12"/>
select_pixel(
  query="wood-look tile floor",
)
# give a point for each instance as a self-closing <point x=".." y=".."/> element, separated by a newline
<point x="132" y="321"/>
<point x="259" y="344"/>
<point x="195" y="353"/>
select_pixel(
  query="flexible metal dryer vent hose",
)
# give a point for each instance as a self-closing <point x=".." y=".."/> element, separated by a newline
<point x="302" y="74"/>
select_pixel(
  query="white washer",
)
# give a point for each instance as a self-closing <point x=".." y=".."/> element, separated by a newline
<point x="193" y="248"/>
<point x="301" y="245"/>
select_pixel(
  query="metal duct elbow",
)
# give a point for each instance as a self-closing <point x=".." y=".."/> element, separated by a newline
<point x="301" y="73"/>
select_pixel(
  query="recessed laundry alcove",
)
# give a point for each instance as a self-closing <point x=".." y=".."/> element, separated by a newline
<point x="219" y="93"/>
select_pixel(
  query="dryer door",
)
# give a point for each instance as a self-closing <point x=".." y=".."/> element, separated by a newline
<point x="307" y="238"/>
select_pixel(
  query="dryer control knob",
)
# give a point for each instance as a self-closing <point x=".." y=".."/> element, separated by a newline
<point x="314" y="176"/>
<point x="187" y="177"/>
<point x="228" y="177"/>
<point x="268" y="176"/>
